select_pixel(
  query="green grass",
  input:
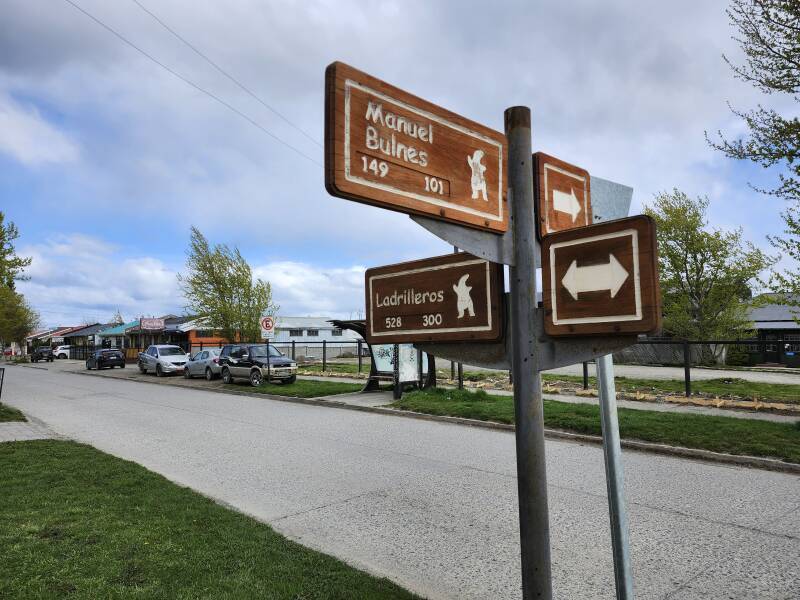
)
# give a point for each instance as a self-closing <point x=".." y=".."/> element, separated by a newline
<point x="304" y="388"/>
<point x="10" y="414"/>
<point x="716" y="387"/>
<point x="79" y="523"/>
<point x="348" y="368"/>
<point x="720" y="434"/>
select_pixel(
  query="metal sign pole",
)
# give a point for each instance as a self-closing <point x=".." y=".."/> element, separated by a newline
<point x="534" y="525"/>
<point x="614" y="478"/>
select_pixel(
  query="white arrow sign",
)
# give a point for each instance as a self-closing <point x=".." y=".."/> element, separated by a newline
<point x="566" y="203"/>
<point x="595" y="278"/>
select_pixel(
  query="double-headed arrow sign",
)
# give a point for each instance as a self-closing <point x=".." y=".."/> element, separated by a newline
<point x="602" y="279"/>
<point x="595" y="278"/>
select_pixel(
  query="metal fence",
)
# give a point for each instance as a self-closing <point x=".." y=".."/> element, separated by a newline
<point x="312" y="352"/>
<point x="781" y="350"/>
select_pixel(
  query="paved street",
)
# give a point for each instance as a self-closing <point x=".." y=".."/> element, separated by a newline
<point x="433" y="505"/>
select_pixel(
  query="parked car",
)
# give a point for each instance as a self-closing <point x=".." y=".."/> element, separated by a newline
<point x="107" y="357"/>
<point x="42" y="353"/>
<point x="163" y="359"/>
<point x="256" y="362"/>
<point x="204" y="364"/>
<point x="63" y="352"/>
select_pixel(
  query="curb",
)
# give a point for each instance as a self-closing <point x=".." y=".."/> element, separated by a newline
<point x="754" y="462"/>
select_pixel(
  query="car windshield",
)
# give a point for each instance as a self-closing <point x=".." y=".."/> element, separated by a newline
<point x="261" y="351"/>
<point x="174" y="351"/>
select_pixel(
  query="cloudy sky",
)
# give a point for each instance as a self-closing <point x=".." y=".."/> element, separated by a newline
<point x="107" y="159"/>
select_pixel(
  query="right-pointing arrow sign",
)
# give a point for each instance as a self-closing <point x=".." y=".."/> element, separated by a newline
<point x="567" y="203"/>
<point x="595" y="278"/>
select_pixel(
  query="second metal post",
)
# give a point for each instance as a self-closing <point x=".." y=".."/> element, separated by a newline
<point x="534" y="525"/>
<point x="614" y="478"/>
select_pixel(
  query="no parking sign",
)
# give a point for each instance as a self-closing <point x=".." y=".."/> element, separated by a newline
<point x="267" y="328"/>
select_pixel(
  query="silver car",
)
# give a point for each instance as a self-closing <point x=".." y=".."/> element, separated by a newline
<point x="163" y="359"/>
<point x="203" y="364"/>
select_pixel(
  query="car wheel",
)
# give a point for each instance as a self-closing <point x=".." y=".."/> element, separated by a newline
<point x="122" y="366"/>
<point x="209" y="374"/>
<point x="226" y="376"/>
<point x="159" y="372"/>
<point x="142" y="369"/>
<point x="291" y="379"/>
<point x="186" y="373"/>
<point x="256" y="378"/>
<point x="88" y="366"/>
<point x="62" y="355"/>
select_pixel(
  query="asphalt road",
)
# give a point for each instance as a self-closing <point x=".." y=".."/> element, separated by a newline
<point x="433" y="505"/>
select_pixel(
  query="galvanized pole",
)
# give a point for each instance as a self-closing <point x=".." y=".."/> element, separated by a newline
<point x="614" y="478"/>
<point x="534" y="524"/>
<point x="687" y="368"/>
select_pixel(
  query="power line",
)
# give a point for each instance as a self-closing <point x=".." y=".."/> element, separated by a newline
<point x="223" y="72"/>
<point x="191" y="83"/>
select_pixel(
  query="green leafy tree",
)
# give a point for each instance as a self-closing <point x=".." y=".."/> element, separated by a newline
<point x="768" y="31"/>
<point x="219" y="287"/>
<point x="17" y="318"/>
<point x="705" y="273"/>
<point x="11" y="265"/>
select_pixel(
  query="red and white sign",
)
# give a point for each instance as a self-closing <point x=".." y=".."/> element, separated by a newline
<point x="267" y="328"/>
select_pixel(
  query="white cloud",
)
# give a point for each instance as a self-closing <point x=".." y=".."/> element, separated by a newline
<point x="29" y="138"/>
<point x="622" y="88"/>
<point x="75" y="278"/>
<point x="306" y="290"/>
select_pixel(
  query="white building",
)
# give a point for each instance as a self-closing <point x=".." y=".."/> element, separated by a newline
<point x="311" y="329"/>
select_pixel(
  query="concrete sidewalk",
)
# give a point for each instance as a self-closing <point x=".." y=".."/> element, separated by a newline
<point x="19" y="431"/>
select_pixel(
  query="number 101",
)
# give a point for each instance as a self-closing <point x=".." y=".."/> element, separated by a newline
<point x="432" y="184"/>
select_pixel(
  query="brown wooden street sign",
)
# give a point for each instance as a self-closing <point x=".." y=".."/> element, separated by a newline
<point x="388" y="148"/>
<point x="563" y="195"/>
<point x="602" y="279"/>
<point x="455" y="297"/>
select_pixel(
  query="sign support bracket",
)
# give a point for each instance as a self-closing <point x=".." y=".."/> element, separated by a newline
<point x="534" y="524"/>
<point x="612" y="452"/>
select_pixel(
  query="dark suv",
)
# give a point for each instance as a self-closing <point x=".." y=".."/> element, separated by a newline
<point x="43" y="353"/>
<point x="257" y="363"/>
<point x="107" y="357"/>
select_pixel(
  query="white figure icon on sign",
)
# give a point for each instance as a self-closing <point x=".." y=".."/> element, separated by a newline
<point x="464" y="300"/>
<point x="478" y="181"/>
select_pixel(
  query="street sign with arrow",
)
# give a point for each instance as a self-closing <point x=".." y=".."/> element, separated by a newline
<point x="563" y="194"/>
<point x="602" y="279"/>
